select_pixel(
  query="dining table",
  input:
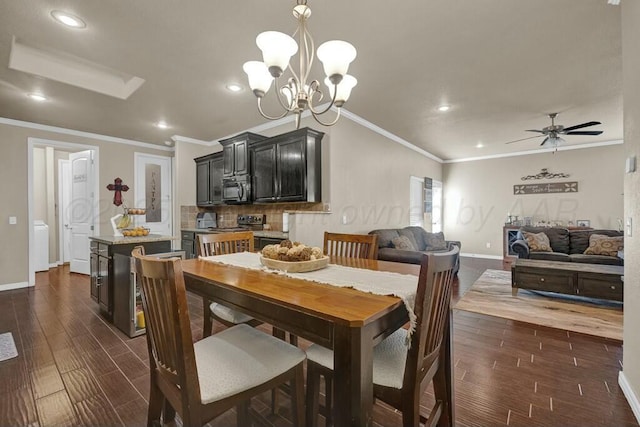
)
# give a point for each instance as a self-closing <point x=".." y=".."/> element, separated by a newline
<point x="349" y="321"/>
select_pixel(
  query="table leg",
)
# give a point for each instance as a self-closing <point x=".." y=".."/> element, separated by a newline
<point x="353" y="378"/>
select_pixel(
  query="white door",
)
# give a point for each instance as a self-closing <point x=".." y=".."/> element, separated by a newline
<point x="64" y="201"/>
<point x="152" y="191"/>
<point x="81" y="210"/>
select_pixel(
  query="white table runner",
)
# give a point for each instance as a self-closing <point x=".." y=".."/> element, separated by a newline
<point x="403" y="286"/>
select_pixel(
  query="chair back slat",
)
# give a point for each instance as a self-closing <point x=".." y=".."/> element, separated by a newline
<point x="433" y="301"/>
<point x="351" y="245"/>
<point x="169" y="337"/>
<point x="225" y="243"/>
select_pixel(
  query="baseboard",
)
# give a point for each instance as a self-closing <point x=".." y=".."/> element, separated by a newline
<point x="480" y="256"/>
<point x="628" y="392"/>
<point x="53" y="265"/>
<point x="11" y="286"/>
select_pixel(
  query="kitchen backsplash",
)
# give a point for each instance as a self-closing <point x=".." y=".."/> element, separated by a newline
<point x="227" y="215"/>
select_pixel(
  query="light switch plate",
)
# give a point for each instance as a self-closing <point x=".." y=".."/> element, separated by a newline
<point x="629" y="226"/>
<point x="13" y="220"/>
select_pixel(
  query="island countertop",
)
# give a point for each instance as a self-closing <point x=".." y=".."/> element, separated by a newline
<point x="120" y="240"/>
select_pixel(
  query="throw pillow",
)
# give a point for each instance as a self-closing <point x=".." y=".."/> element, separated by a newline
<point x="435" y="241"/>
<point x="538" y="242"/>
<point x="403" y="242"/>
<point x="600" y="244"/>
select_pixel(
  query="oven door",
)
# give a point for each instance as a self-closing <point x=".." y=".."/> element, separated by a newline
<point x="235" y="190"/>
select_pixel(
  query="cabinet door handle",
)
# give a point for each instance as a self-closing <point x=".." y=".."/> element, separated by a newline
<point x="542" y="279"/>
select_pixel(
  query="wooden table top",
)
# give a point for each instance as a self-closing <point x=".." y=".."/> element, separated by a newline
<point x="570" y="266"/>
<point x="341" y="305"/>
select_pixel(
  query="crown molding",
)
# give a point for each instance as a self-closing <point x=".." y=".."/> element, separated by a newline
<point x="538" y="151"/>
<point x="180" y="138"/>
<point x="97" y="136"/>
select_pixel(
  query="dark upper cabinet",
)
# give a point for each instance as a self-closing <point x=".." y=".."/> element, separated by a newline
<point x="209" y="179"/>
<point x="287" y="168"/>
<point x="236" y="153"/>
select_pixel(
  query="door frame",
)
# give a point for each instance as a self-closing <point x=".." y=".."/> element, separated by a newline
<point x="62" y="163"/>
<point x="41" y="142"/>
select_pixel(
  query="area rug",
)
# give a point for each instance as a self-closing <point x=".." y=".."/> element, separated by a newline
<point x="7" y="347"/>
<point x="491" y="295"/>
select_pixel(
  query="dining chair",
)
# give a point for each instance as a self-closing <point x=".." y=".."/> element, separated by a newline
<point x="401" y="372"/>
<point x="203" y="380"/>
<point x="220" y="244"/>
<point x="351" y="245"/>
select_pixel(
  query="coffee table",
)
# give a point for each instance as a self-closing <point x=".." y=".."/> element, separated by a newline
<point x="587" y="280"/>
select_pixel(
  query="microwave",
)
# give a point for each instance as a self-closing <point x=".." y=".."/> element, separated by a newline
<point x="236" y="189"/>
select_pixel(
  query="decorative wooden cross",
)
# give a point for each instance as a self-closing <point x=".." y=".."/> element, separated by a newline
<point x="118" y="187"/>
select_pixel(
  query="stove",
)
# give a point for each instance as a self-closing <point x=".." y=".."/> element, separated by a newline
<point x="250" y="222"/>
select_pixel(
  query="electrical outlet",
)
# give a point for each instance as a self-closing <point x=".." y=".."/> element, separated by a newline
<point x="629" y="227"/>
<point x="488" y="245"/>
<point x="344" y="219"/>
<point x="13" y="220"/>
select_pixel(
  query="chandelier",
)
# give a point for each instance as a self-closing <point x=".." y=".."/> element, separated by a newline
<point x="298" y="94"/>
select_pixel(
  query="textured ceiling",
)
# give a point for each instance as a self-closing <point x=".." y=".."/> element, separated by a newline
<point x="501" y="64"/>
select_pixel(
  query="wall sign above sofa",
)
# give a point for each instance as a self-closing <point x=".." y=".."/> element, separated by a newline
<point x="556" y="187"/>
<point x="545" y="174"/>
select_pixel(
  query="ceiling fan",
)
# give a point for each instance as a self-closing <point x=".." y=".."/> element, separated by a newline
<point x="554" y="131"/>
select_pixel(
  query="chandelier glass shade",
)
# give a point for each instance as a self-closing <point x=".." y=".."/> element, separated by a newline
<point x="298" y="93"/>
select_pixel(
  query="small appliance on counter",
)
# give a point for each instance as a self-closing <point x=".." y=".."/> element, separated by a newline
<point x="206" y="220"/>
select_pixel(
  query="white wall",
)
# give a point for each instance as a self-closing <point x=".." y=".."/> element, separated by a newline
<point x="479" y="194"/>
<point x="630" y="377"/>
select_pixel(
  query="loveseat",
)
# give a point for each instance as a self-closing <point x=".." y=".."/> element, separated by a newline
<point x="569" y="245"/>
<point x="410" y="243"/>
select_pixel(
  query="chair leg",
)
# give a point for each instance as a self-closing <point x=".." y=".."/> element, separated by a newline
<point x="410" y="411"/>
<point x="313" y="394"/>
<point x="297" y="396"/>
<point x="206" y="313"/>
<point x="156" y="400"/>
<point x="243" y="413"/>
<point x="168" y="413"/>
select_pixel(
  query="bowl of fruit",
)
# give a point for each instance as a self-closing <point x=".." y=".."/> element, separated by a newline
<point x="136" y="211"/>
<point x="136" y="232"/>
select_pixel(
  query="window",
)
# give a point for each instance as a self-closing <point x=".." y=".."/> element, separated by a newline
<point x="425" y="203"/>
<point x="416" y="201"/>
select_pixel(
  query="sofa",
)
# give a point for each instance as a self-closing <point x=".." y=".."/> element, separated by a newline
<point x="408" y="244"/>
<point x="569" y="245"/>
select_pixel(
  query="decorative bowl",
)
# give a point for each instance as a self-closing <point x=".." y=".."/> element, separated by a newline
<point x="295" y="266"/>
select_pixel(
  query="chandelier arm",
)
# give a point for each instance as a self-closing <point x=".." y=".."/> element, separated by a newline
<point x="331" y="104"/>
<point x="266" y="116"/>
<point x="279" y="95"/>
<point x="309" y="47"/>
<point x="315" y="116"/>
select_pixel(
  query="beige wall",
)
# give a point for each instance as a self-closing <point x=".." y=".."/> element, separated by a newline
<point x="115" y="160"/>
<point x="365" y="178"/>
<point x="631" y="90"/>
<point x="479" y="194"/>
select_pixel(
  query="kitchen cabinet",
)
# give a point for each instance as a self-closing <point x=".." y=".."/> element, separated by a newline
<point x="287" y="167"/>
<point x="188" y="244"/>
<point x="103" y="278"/>
<point x="209" y="179"/>
<point x="235" y="153"/>
<point x="260" y="242"/>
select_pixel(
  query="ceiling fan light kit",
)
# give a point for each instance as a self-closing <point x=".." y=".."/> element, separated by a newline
<point x="554" y="131"/>
<point x="297" y="95"/>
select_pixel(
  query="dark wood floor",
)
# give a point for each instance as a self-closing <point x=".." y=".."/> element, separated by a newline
<point x="74" y="368"/>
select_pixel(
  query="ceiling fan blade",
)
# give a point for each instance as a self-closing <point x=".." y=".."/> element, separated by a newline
<point x="546" y="140"/>
<point x="523" y="139"/>
<point x="584" y="132"/>
<point x="534" y="130"/>
<point x="580" y="126"/>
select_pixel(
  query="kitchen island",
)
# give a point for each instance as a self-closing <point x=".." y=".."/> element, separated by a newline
<point x="111" y="273"/>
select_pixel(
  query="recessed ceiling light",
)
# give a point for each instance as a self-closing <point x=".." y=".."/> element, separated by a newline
<point x="68" y="19"/>
<point x="479" y="145"/>
<point x="234" y="87"/>
<point x="37" y="96"/>
<point x="444" y="108"/>
<point x="162" y="124"/>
